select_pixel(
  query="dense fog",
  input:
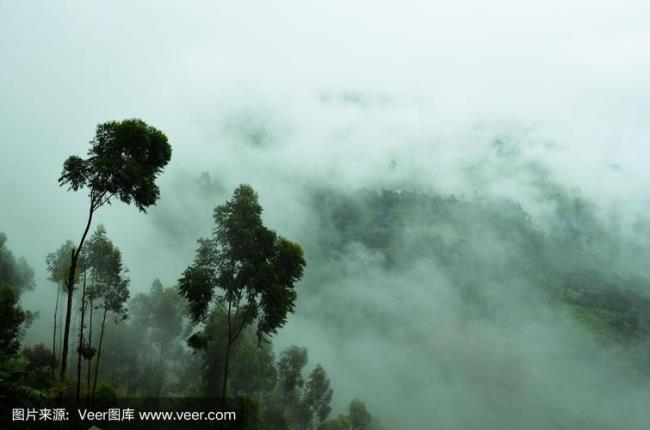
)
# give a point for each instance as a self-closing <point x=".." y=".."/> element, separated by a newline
<point x="468" y="183"/>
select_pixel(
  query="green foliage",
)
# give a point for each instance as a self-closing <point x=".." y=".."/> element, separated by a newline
<point x="58" y="262"/>
<point x="11" y="319"/>
<point x="197" y="286"/>
<point x="18" y="378"/>
<point x="109" y="276"/>
<point x="124" y="354"/>
<point x="403" y="228"/>
<point x="249" y="263"/>
<point x="252" y="370"/>
<point x="341" y="422"/>
<point x="273" y="418"/>
<point x="166" y="314"/>
<point x="158" y="314"/>
<point x="25" y="378"/>
<point x="318" y="393"/>
<point x="39" y="356"/>
<point x="15" y="273"/>
<point x="105" y="397"/>
<point x="97" y="253"/>
<point x="613" y="308"/>
<point x="248" y="414"/>
<point x="140" y="352"/>
<point x="246" y="269"/>
<point x="290" y="366"/>
<point x="124" y="160"/>
<point x="40" y="364"/>
<point x="12" y="387"/>
<point x="303" y="402"/>
<point x="360" y="419"/>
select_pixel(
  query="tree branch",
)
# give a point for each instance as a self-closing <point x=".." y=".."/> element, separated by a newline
<point x="100" y="200"/>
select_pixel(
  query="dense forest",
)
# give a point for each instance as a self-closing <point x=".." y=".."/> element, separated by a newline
<point x="508" y="280"/>
<point x="209" y="336"/>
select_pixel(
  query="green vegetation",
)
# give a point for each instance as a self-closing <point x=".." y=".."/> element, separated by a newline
<point x="212" y="333"/>
<point x="123" y="162"/>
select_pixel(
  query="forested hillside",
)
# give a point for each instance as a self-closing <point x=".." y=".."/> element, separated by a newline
<point x="469" y="284"/>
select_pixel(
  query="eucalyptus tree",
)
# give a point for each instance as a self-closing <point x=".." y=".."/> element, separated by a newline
<point x="95" y="258"/>
<point x="167" y="317"/>
<point x="83" y="348"/>
<point x="112" y="289"/>
<point x="99" y="260"/>
<point x="246" y="270"/>
<point x="123" y="162"/>
<point x="291" y="383"/>
<point x="357" y="418"/>
<point x="141" y="323"/>
<point x="318" y="394"/>
<point x="58" y="266"/>
<point x="302" y="400"/>
<point x="252" y="365"/>
<point x="290" y="367"/>
<point x="360" y="418"/>
<point x="158" y="315"/>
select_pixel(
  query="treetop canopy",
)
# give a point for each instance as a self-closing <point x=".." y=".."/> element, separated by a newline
<point x="124" y="160"/>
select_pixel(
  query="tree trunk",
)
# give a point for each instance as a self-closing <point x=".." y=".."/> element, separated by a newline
<point x="90" y="341"/>
<point x="56" y="310"/>
<point x="231" y="340"/>
<point x="99" y="351"/>
<point x="232" y="337"/>
<point x="226" y="362"/>
<point x="161" y="370"/>
<point x="59" y="328"/>
<point x="150" y="372"/>
<point x="81" y="340"/>
<point x="225" y="371"/>
<point x="68" y="315"/>
<point x="70" y="286"/>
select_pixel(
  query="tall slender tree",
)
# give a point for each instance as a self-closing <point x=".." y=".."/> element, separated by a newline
<point x="123" y="162"/>
<point x="360" y="418"/>
<point x="253" y="269"/>
<point x="95" y="258"/>
<point x="58" y="265"/>
<point x="318" y="394"/>
<point x="290" y="366"/>
<point x="159" y="316"/>
<point x="291" y="363"/>
<point x="111" y="289"/>
<point x="167" y="325"/>
<point x="83" y="349"/>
